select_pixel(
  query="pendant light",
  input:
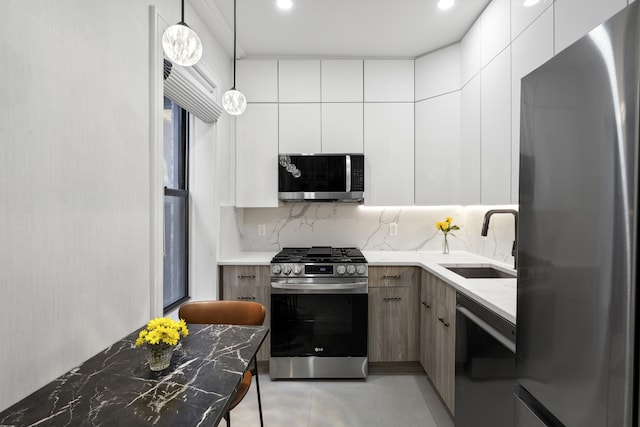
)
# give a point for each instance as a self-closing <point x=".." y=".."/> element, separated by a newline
<point x="181" y="44"/>
<point x="234" y="101"/>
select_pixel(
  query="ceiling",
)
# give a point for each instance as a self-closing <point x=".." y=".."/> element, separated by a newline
<point x="339" y="28"/>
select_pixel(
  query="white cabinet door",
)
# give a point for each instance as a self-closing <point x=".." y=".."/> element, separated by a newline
<point x="388" y="80"/>
<point x="437" y="73"/>
<point x="496" y="130"/>
<point x="437" y="150"/>
<point x="342" y="127"/>
<point x="575" y="18"/>
<point x="299" y="80"/>
<point x="258" y="80"/>
<point x="533" y="48"/>
<point x="300" y="128"/>
<point x="388" y="149"/>
<point x="522" y="16"/>
<point x="257" y="156"/>
<point x="341" y="80"/>
<point x="496" y="29"/>
<point x="470" y="142"/>
<point x="471" y="53"/>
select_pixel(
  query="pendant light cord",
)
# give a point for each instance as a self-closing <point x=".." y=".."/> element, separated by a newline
<point x="182" y="12"/>
<point x="234" y="44"/>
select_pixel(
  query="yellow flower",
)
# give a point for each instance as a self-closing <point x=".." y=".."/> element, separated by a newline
<point x="446" y="226"/>
<point x="449" y="220"/>
<point x="162" y="330"/>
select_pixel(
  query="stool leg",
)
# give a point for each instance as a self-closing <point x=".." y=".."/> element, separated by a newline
<point x="255" y="364"/>
<point x="227" y="417"/>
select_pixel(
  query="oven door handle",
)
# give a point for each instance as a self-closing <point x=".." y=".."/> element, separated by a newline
<point x="319" y="286"/>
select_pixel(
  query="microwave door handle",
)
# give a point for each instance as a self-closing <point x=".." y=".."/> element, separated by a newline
<point x="348" y="172"/>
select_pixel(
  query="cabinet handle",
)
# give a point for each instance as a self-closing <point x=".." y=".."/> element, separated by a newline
<point x="426" y="305"/>
<point x="392" y="298"/>
<point x="248" y="276"/>
<point x="441" y="319"/>
<point x="246" y="298"/>
<point x="395" y="276"/>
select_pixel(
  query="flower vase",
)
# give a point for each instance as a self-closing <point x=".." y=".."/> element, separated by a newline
<point x="445" y="245"/>
<point x="159" y="356"/>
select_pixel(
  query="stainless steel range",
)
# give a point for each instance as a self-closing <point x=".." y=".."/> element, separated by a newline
<point x="319" y="313"/>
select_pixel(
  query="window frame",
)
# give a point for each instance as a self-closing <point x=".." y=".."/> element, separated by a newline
<point x="183" y="193"/>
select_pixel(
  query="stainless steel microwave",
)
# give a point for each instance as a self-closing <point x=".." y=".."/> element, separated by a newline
<point x="321" y="177"/>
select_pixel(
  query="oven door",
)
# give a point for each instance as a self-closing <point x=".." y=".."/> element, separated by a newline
<point x="321" y="325"/>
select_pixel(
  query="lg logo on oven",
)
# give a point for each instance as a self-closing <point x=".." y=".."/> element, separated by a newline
<point x="319" y="349"/>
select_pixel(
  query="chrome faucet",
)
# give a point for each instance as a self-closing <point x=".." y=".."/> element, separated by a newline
<point x="485" y="229"/>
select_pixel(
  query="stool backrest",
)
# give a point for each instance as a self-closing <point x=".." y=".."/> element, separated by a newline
<point x="223" y="312"/>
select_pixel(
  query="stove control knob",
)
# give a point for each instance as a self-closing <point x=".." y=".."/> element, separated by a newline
<point x="361" y="269"/>
<point x="351" y="269"/>
<point x="341" y="269"/>
<point x="286" y="269"/>
<point x="297" y="269"/>
<point x="275" y="269"/>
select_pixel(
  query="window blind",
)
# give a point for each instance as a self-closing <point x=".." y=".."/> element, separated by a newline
<point x="193" y="94"/>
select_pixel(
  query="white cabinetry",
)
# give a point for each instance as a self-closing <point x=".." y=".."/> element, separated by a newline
<point x="471" y="53"/>
<point x="495" y="29"/>
<point x="496" y="130"/>
<point x="342" y="130"/>
<point x="388" y="80"/>
<point x="575" y="18"/>
<point x="533" y="48"/>
<point x="470" y="143"/>
<point x="258" y="80"/>
<point x="522" y="16"/>
<point x="388" y="148"/>
<point x="299" y="81"/>
<point x="437" y="73"/>
<point x="257" y="156"/>
<point x="300" y="128"/>
<point x="342" y="80"/>
<point x="437" y="150"/>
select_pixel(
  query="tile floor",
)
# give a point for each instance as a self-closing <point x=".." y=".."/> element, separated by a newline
<point x="383" y="400"/>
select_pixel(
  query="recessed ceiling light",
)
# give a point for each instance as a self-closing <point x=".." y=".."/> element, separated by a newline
<point x="284" y="4"/>
<point x="445" y="4"/>
<point x="528" y="3"/>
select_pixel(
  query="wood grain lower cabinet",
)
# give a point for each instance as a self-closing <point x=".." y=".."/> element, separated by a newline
<point x="249" y="283"/>
<point x="437" y="335"/>
<point x="393" y="314"/>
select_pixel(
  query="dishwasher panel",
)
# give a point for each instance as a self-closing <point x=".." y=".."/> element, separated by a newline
<point x="485" y="366"/>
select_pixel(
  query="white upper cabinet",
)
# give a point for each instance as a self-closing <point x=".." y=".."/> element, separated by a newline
<point x="388" y="149"/>
<point x="437" y="73"/>
<point x="533" y="48"/>
<point x="299" y="80"/>
<point x="437" y="150"/>
<point x="495" y="29"/>
<point x="342" y="127"/>
<point x="470" y="142"/>
<point x="258" y="80"/>
<point x="471" y="53"/>
<point x="342" y="80"/>
<point x="522" y="16"/>
<point x="575" y="18"/>
<point x="388" y="80"/>
<point x="495" y="117"/>
<point x="257" y="156"/>
<point x="300" y="128"/>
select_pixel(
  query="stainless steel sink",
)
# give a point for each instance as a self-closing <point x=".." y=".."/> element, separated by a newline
<point x="481" y="272"/>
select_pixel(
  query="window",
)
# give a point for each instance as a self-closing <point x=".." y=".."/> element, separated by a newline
<point x="176" y="206"/>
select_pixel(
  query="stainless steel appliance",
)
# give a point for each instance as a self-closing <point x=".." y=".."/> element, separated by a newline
<point x="319" y="313"/>
<point x="577" y="356"/>
<point x="321" y="177"/>
<point x="485" y="366"/>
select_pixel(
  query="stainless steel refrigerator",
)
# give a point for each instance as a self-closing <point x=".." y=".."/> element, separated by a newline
<point x="577" y="314"/>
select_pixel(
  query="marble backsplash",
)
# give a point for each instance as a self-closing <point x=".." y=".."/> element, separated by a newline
<point x="367" y="228"/>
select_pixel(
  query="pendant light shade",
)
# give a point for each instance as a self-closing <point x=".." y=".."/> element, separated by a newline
<point x="233" y="101"/>
<point x="181" y="44"/>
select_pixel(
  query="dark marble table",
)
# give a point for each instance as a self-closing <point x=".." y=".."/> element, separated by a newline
<point x="117" y="388"/>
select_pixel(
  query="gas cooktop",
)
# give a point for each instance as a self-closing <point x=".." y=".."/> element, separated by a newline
<point x="320" y="254"/>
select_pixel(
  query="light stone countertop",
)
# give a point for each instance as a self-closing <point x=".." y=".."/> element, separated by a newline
<point x="498" y="295"/>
